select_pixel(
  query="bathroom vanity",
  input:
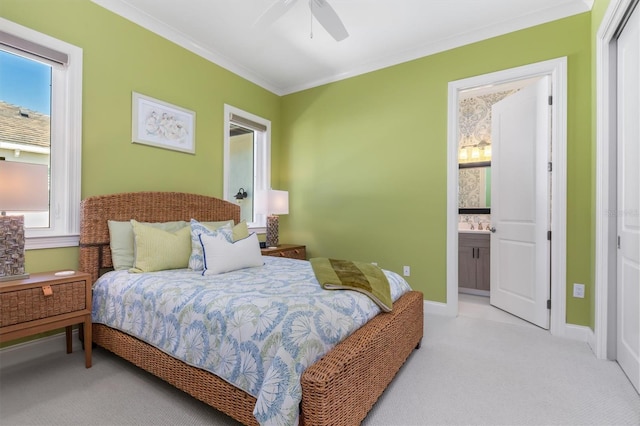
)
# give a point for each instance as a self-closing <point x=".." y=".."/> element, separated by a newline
<point x="474" y="261"/>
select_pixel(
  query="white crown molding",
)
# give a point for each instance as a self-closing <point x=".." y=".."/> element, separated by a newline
<point x="124" y="9"/>
<point x="559" y="12"/>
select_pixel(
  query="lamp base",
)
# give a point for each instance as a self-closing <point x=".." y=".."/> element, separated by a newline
<point x="12" y="248"/>
<point x="272" y="231"/>
<point x="14" y="277"/>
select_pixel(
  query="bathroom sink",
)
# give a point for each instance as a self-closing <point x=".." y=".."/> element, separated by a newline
<point x="465" y="227"/>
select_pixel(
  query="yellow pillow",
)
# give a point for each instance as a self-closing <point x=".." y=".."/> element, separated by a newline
<point x="240" y="231"/>
<point x="121" y="240"/>
<point x="157" y="249"/>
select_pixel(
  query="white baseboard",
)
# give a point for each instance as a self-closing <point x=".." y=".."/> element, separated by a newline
<point x="46" y="346"/>
<point x="568" y="331"/>
<point x="581" y="333"/>
<point x="437" y="308"/>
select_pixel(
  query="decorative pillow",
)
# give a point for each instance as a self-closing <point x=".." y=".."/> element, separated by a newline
<point x="240" y="231"/>
<point x="222" y="256"/>
<point x="157" y="249"/>
<point x="196" y="261"/>
<point x="216" y="225"/>
<point x="121" y="240"/>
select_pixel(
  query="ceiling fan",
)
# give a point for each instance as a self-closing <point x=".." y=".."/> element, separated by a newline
<point x="320" y="9"/>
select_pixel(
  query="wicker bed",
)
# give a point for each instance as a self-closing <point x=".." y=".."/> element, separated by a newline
<point x="339" y="389"/>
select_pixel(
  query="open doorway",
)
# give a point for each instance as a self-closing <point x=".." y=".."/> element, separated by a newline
<point x="477" y="189"/>
<point x="555" y="71"/>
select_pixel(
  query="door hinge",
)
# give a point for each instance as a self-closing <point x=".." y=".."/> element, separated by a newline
<point x="548" y="303"/>
<point x="549" y="166"/>
<point x="549" y="235"/>
<point x="618" y="241"/>
<point x="550" y="100"/>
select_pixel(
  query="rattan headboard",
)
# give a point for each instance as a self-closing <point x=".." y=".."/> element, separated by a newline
<point x="95" y="253"/>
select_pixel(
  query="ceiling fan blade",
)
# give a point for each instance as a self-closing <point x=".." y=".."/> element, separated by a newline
<point x="274" y="12"/>
<point x="329" y="19"/>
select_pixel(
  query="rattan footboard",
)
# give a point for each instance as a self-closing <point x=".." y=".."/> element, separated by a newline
<point x="340" y="389"/>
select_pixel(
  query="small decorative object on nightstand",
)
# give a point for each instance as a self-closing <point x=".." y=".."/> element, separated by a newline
<point x="46" y="301"/>
<point x="292" y="251"/>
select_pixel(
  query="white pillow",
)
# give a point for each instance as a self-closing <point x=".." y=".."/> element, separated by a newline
<point x="196" y="261"/>
<point x="221" y="256"/>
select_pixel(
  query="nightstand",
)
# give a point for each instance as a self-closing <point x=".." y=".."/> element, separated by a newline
<point x="44" y="302"/>
<point x="292" y="251"/>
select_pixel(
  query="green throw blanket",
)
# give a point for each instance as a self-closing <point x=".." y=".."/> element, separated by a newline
<point x="364" y="277"/>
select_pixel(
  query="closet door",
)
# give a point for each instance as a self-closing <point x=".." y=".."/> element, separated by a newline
<point x="628" y="259"/>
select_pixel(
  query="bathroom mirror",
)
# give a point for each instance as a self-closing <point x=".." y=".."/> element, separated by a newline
<point x="474" y="188"/>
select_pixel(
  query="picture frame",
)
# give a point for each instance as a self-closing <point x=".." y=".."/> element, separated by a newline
<point x="163" y="125"/>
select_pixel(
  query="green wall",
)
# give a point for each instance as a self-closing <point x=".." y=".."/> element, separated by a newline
<point x="365" y="158"/>
<point x="121" y="57"/>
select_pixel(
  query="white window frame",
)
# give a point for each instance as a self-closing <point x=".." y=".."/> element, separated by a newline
<point x="262" y="161"/>
<point x="66" y="143"/>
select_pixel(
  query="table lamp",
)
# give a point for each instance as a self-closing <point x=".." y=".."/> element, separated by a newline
<point x="272" y="203"/>
<point x="23" y="187"/>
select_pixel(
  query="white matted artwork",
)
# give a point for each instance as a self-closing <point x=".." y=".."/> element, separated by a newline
<point x="163" y="125"/>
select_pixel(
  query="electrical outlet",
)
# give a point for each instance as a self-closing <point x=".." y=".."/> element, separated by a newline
<point x="406" y="271"/>
<point x="578" y="290"/>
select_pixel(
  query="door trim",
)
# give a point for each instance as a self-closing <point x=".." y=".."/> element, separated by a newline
<point x="557" y="70"/>
<point x="606" y="170"/>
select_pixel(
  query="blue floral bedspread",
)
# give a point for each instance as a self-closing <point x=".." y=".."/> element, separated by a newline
<point x="257" y="328"/>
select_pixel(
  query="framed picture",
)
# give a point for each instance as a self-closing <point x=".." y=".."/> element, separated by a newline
<point x="163" y="125"/>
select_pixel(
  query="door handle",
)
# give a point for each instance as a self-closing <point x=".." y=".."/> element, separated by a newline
<point x="492" y="229"/>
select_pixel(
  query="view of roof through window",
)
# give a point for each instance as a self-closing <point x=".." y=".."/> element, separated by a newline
<point x="25" y="117"/>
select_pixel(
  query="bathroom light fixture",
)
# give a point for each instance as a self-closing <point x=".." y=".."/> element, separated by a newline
<point x="487" y="151"/>
<point x="486" y="148"/>
<point x="475" y="152"/>
<point x="463" y="154"/>
<point x="241" y="194"/>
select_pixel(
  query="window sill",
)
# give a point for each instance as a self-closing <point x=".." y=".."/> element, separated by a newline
<point x="258" y="229"/>
<point x="35" y="243"/>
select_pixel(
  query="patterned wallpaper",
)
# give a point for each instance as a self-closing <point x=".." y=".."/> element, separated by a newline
<point x="475" y="118"/>
<point x="475" y="126"/>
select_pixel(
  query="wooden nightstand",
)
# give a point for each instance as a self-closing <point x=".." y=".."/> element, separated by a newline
<point x="46" y="302"/>
<point x="292" y="251"/>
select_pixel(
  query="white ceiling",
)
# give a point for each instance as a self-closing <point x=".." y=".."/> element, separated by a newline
<point x="284" y="58"/>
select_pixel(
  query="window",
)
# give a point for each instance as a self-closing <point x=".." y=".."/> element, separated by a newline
<point x="49" y="132"/>
<point x="247" y="159"/>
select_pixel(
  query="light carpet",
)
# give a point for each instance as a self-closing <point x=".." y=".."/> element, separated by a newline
<point x="469" y="371"/>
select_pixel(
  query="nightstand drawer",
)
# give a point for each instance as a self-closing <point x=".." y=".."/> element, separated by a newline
<point x="31" y="303"/>
<point x="47" y="301"/>
<point x="290" y="251"/>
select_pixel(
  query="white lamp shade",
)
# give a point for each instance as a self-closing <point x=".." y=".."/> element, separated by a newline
<point x="23" y="186"/>
<point x="272" y="202"/>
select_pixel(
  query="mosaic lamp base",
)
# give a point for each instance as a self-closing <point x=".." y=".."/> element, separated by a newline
<point x="12" y="248"/>
<point x="272" y="231"/>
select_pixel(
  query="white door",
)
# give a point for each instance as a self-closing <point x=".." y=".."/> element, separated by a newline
<point x="628" y="270"/>
<point x="520" y="269"/>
